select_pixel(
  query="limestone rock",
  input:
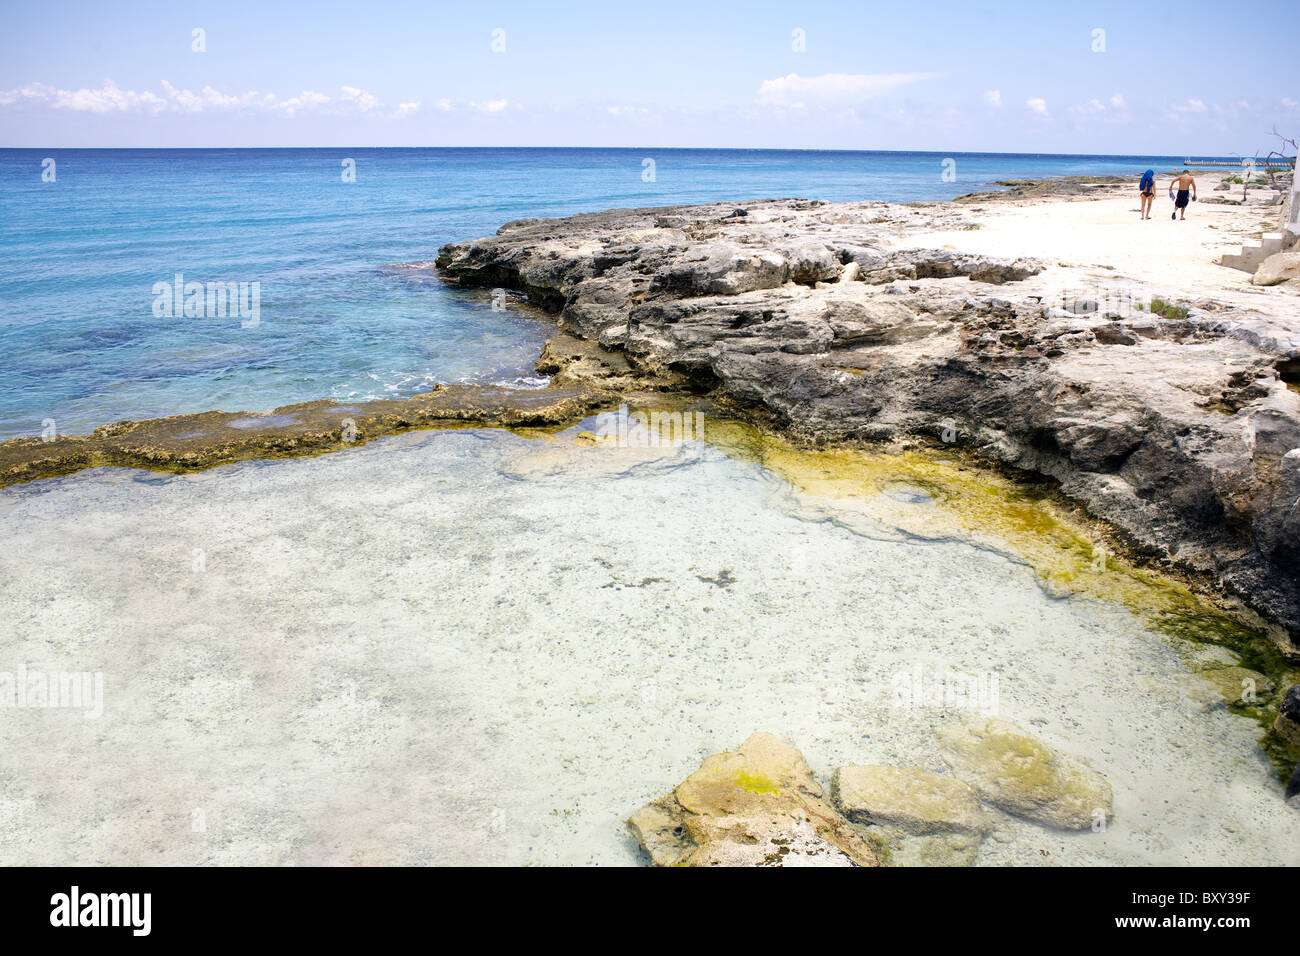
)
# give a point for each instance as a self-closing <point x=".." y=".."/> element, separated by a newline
<point x="931" y="849"/>
<point x="1288" y="719"/>
<point x="1278" y="268"/>
<point x="1017" y="773"/>
<point x="1175" y="426"/>
<point x="1238" y="685"/>
<point x="758" y="806"/>
<point x="914" y="801"/>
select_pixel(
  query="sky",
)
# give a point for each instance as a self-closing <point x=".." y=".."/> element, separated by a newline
<point x="1126" y="78"/>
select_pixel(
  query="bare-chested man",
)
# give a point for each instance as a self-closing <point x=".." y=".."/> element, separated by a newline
<point x="1182" y="185"/>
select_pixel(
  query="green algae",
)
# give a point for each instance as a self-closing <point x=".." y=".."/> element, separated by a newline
<point x="1030" y="521"/>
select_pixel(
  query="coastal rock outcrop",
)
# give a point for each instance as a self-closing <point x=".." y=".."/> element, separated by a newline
<point x="757" y="806"/>
<point x="1174" y="423"/>
<point x="1019" y="774"/>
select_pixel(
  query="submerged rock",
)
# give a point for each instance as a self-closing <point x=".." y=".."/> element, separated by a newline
<point x="1288" y="718"/>
<point x="1019" y="774"/>
<point x="912" y="800"/>
<point x="758" y="806"/>
<point x="1238" y="685"/>
<point x="919" y="818"/>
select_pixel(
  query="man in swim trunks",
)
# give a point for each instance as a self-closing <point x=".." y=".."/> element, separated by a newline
<point x="1183" y="185"/>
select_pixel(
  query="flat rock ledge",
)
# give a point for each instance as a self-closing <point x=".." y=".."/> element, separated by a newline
<point x="1177" y="424"/>
<point x="184" y="443"/>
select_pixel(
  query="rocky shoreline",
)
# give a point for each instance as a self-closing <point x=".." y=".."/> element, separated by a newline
<point x="1174" y="421"/>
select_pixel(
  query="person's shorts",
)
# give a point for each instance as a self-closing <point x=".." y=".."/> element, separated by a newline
<point x="1147" y="194"/>
<point x="1181" y="201"/>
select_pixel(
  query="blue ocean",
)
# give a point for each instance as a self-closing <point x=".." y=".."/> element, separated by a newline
<point x="89" y="239"/>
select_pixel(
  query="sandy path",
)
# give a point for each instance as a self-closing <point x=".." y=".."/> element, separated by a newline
<point x="1093" y="234"/>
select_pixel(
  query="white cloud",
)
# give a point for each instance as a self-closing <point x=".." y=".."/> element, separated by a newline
<point x="1189" y="106"/>
<point x="110" y="98"/>
<point x="364" y="101"/>
<point x="834" y="88"/>
<point x="1117" y="102"/>
<point x="406" y="109"/>
<point x="489" y="106"/>
<point x="1290" y="103"/>
<point x="994" y="98"/>
<point x="1037" y="105"/>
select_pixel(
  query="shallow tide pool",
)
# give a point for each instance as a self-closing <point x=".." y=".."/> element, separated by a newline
<point x="473" y="646"/>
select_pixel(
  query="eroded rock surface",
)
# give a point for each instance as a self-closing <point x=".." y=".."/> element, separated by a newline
<point x="1019" y="774"/>
<point x="193" y="442"/>
<point x="919" y="818"/>
<point x="912" y="800"/>
<point x="758" y="806"/>
<point x="1175" y="425"/>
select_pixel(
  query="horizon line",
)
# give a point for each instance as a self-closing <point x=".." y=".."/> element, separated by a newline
<point x="773" y="149"/>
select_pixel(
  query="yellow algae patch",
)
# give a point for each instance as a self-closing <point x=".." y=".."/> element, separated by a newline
<point x="935" y="493"/>
<point x="756" y="783"/>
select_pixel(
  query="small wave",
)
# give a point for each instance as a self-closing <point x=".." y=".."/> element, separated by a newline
<point x="523" y="381"/>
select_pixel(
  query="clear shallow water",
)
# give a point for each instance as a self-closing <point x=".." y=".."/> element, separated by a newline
<point x="472" y="647"/>
<point x="79" y="257"/>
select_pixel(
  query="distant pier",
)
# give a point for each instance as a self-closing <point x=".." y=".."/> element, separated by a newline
<point x="1274" y="163"/>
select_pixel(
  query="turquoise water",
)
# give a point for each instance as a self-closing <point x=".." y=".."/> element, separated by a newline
<point x="80" y="342"/>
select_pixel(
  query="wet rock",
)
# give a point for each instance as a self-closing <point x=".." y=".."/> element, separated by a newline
<point x="918" y="818"/>
<point x="1020" y="775"/>
<point x="1287" y="723"/>
<point x="914" y="801"/>
<point x="935" y="849"/>
<point x="1238" y="685"/>
<point x="184" y="443"/>
<point x="1293" y="788"/>
<point x="758" y="806"/>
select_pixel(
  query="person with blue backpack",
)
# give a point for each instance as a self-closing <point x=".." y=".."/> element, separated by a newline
<point x="1147" y="188"/>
